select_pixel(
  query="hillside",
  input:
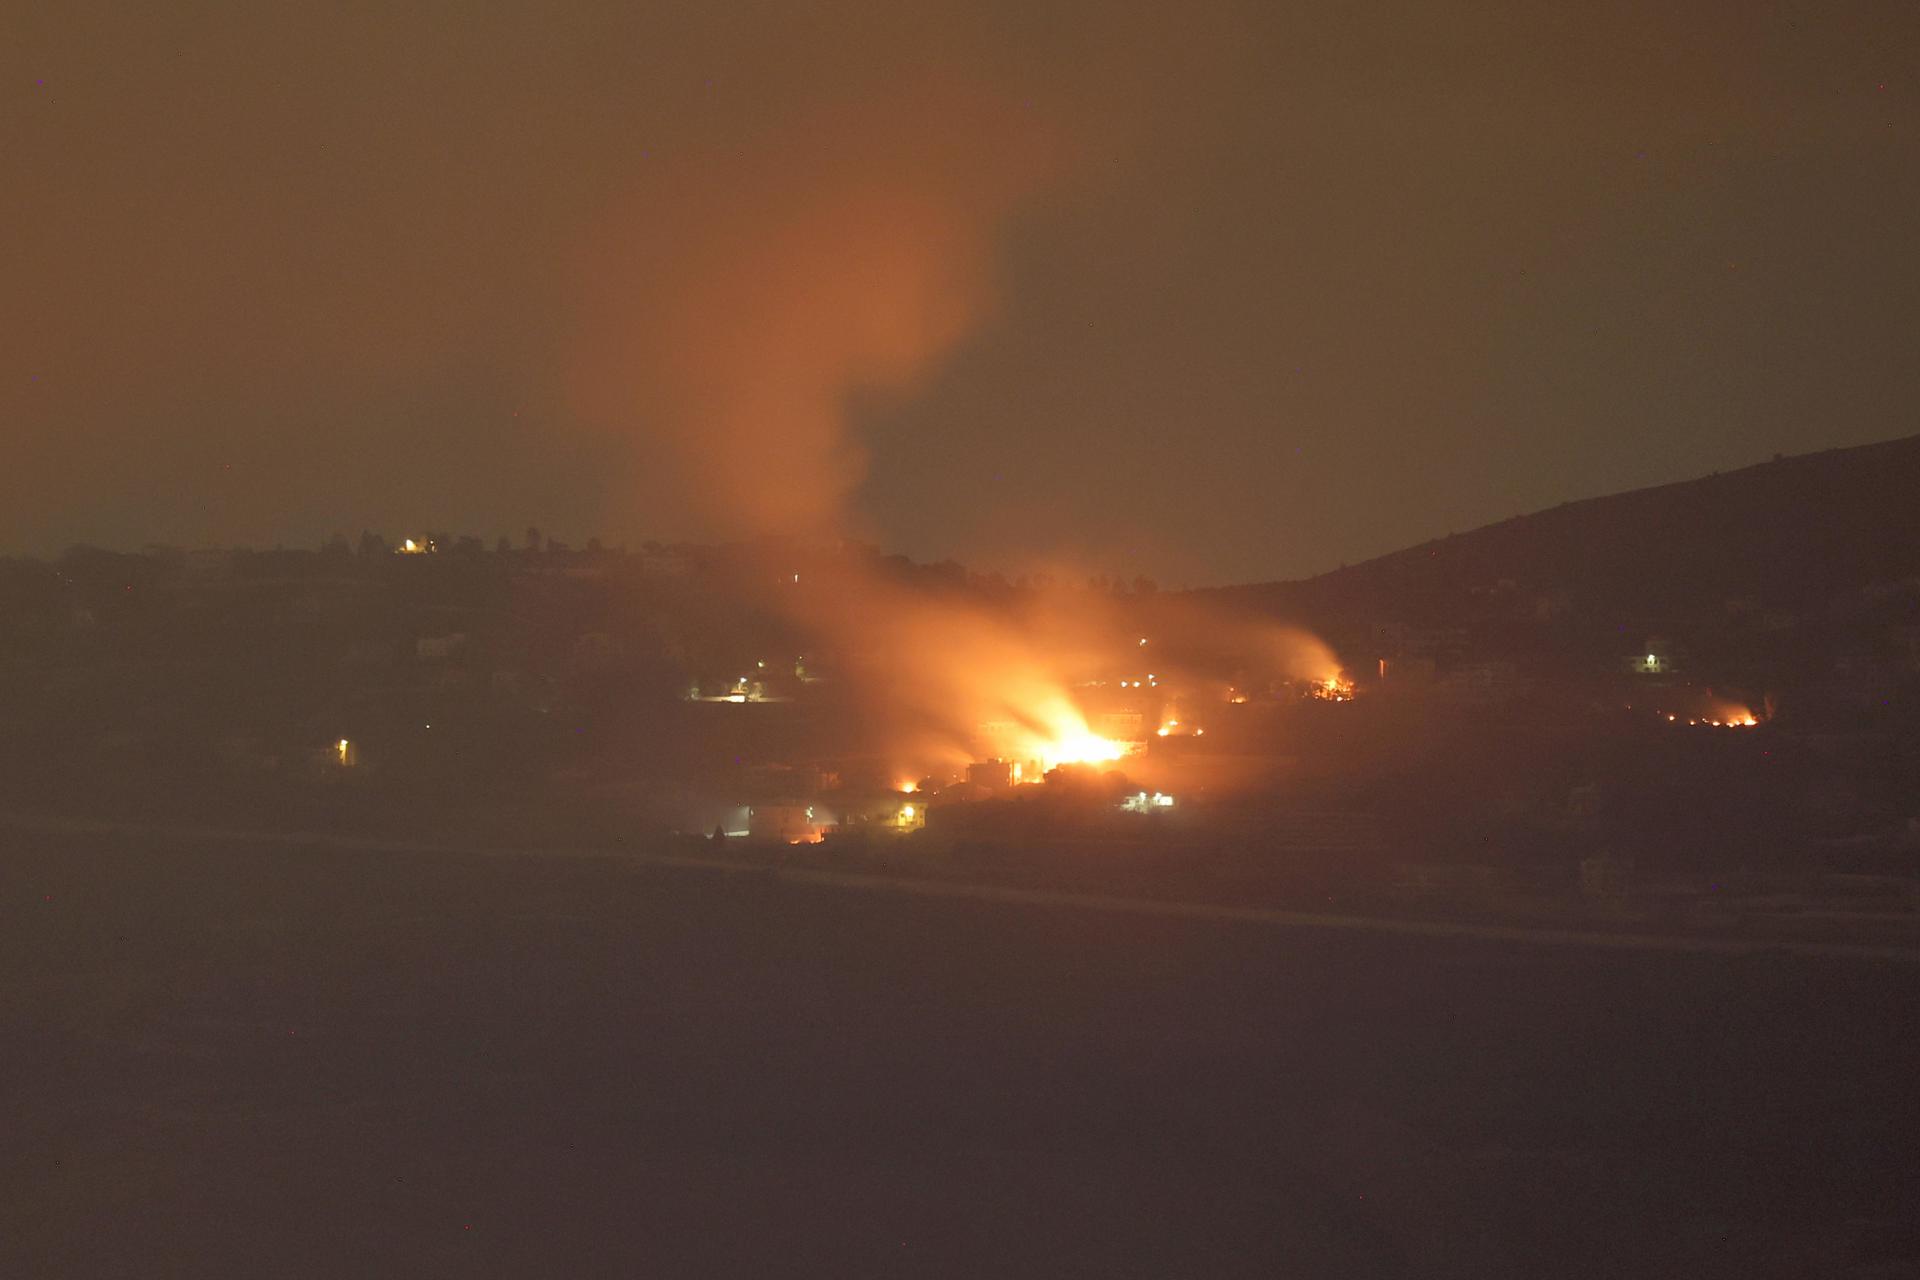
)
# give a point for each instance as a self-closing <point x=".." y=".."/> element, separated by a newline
<point x="1788" y="535"/>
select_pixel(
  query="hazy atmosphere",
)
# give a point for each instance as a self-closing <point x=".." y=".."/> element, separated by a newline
<point x="1291" y="286"/>
<point x="976" y="638"/>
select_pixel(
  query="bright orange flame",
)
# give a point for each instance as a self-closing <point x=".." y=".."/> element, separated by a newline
<point x="1333" y="688"/>
<point x="1080" y="746"/>
<point x="1728" y="715"/>
<point x="956" y="679"/>
<point x="1735" y="718"/>
<point x="1049" y="734"/>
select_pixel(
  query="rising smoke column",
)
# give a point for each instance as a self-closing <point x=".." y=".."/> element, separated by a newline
<point x="739" y="298"/>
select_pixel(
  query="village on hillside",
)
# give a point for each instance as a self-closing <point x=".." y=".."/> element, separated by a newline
<point x="1406" y="735"/>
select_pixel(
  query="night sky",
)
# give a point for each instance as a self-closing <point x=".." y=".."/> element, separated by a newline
<point x="1215" y="292"/>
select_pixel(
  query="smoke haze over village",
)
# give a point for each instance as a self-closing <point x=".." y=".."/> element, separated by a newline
<point x="1288" y="288"/>
<point x="983" y="638"/>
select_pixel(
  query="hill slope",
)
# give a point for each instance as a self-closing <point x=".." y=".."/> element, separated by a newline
<point x="1788" y="534"/>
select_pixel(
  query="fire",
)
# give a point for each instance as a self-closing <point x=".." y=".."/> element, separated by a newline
<point x="1080" y="746"/>
<point x="1722" y="715"/>
<point x="952" y="679"/>
<point x="1333" y="688"/>
<point x="1040" y="739"/>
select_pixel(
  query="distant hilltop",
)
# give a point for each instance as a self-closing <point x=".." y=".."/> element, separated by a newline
<point x="1789" y="534"/>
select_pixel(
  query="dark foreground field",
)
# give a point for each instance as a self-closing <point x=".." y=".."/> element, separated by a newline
<point x="271" y="1062"/>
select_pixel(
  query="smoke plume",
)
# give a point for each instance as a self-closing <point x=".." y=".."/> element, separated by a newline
<point x="739" y="299"/>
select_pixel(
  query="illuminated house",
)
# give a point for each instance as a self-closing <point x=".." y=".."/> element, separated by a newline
<point x="1658" y="658"/>
<point x="742" y="688"/>
<point x="882" y="812"/>
<point x="338" y="758"/>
